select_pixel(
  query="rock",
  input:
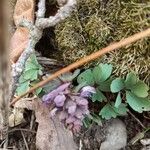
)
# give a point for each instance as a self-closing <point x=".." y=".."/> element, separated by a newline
<point x="116" y="136"/>
<point x="146" y="148"/>
<point x="146" y="144"/>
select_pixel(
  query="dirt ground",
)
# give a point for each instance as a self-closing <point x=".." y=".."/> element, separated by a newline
<point x="23" y="136"/>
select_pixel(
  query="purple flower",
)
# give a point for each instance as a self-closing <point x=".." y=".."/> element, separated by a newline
<point x="87" y="91"/>
<point x="70" y="119"/>
<point x="70" y="103"/>
<point x="79" y="114"/>
<point x="77" y="125"/>
<point x="59" y="100"/>
<point x="72" y="109"/>
<point x="63" y="115"/>
<point x="76" y="128"/>
<point x="84" y="109"/>
<point x="80" y="100"/>
<point x="78" y="122"/>
<point x="50" y="96"/>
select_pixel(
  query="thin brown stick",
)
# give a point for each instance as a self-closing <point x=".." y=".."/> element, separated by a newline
<point x="24" y="139"/>
<point x="141" y="124"/>
<point x="87" y="59"/>
<point x="21" y="129"/>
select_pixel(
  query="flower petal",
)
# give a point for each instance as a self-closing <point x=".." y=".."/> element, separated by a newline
<point x="63" y="115"/>
<point x="70" y="119"/>
<point x="78" y="122"/>
<point x="81" y="100"/>
<point x="69" y="103"/>
<point x="49" y="97"/>
<point x="79" y="114"/>
<point x="59" y="100"/>
<point x="72" y="109"/>
<point x="87" y="91"/>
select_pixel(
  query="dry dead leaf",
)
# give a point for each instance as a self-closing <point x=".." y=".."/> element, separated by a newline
<point x="51" y="133"/>
<point x="16" y="117"/>
<point x="23" y="9"/>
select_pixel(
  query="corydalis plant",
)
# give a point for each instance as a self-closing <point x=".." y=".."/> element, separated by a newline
<point x="72" y="107"/>
<point x="127" y="91"/>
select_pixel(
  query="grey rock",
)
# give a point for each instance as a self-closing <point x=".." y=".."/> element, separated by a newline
<point x="116" y="136"/>
<point x="146" y="144"/>
<point x="146" y="148"/>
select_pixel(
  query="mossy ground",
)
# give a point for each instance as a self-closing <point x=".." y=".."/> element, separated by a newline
<point x="97" y="23"/>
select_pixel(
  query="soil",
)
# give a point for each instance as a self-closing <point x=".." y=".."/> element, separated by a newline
<point x="23" y="137"/>
<point x="92" y="138"/>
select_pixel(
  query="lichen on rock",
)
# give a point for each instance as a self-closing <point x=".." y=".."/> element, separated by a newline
<point x="95" y="24"/>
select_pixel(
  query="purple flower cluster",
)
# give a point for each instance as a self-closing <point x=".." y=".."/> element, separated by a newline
<point x="71" y="107"/>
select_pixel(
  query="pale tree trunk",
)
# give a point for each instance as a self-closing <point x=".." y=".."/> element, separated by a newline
<point x="4" y="71"/>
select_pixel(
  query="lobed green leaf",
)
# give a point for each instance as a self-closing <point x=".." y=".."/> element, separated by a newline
<point x="102" y="72"/>
<point x="86" y="76"/>
<point x="117" y="85"/>
<point x="136" y="103"/>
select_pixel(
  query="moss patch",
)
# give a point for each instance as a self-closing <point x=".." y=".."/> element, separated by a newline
<point x="95" y="24"/>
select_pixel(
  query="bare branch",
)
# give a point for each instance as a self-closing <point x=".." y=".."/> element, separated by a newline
<point x="36" y="34"/>
<point x="27" y="24"/>
<point x="18" y="68"/>
<point x="62" y="14"/>
<point x="41" y="9"/>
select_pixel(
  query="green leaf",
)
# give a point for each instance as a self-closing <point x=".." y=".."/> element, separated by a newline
<point x="23" y="87"/>
<point x="86" y="76"/>
<point x="95" y="118"/>
<point x="40" y="72"/>
<point x="38" y="91"/>
<point x="102" y="72"/>
<point x="30" y="65"/>
<point x="33" y="59"/>
<point x="136" y="103"/>
<point x="140" y="89"/>
<point x="109" y="111"/>
<point x="52" y="85"/>
<point x="131" y="80"/>
<point x="105" y="86"/>
<point x="121" y="110"/>
<point x="118" y="100"/>
<point x="31" y="74"/>
<point x="117" y="85"/>
<point x="69" y="76"/>
<point x="22" y="79"/>
<point x="78" y="88"/>
<point x="87" y="122"/>
<point x="98" y="96"/>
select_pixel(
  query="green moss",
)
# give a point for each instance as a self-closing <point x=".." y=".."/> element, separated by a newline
<point x="97" y="23"/>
